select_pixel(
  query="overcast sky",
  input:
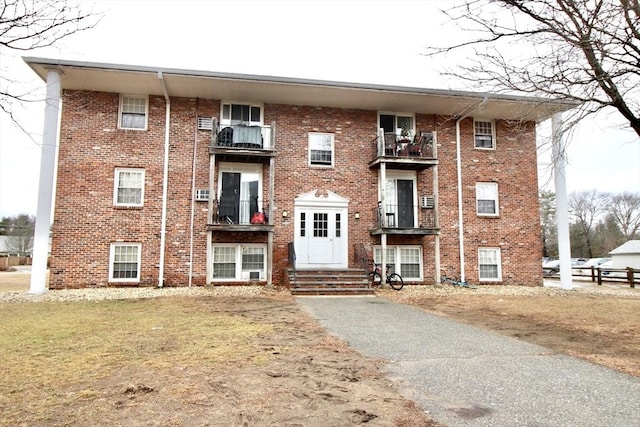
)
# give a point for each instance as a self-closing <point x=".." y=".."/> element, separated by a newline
<point x="355" y="41"/>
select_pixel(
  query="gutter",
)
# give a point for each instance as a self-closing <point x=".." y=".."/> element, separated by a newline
<point x="165" y="182"/>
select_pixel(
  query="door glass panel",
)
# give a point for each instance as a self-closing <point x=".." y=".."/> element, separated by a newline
<point x="338" y="225"/>
<point x="405" y="203"/>
<point x="320" y="225"/>
<point x="230" y="197"/>
<point x="303" y="224"/>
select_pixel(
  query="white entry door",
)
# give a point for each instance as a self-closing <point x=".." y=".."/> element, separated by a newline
<point x="320" y="238"/>
<point x="321" y="231"/>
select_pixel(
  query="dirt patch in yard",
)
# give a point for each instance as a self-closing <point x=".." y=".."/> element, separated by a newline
<point x="198" y="359"/>
<point x="248" y="357"/>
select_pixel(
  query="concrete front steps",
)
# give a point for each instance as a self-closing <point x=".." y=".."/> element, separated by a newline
<point x="329" y="282"/>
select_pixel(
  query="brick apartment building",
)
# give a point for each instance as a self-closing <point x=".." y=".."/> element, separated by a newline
<point x="171" y="177"/>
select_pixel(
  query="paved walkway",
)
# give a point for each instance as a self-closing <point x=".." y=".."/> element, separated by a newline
<point x="464" y="376"/>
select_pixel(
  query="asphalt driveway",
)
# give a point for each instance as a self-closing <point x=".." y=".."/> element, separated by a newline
<point x="465" y="376"/>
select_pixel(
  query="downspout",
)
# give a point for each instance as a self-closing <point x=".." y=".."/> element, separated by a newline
<point x="165" y="182"/>
<point x="460" y="216"/>
<point x="193" y="196"/>
<point x="459" y="172"/>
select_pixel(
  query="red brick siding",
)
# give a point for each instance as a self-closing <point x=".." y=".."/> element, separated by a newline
<point x="91" y="147"/>
<point x="512" y="165"/>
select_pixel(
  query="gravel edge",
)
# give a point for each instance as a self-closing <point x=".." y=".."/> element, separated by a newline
<point x="408" y="292"/>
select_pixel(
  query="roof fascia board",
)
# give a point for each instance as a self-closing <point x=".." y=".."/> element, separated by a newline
<point x="39" y="64"/>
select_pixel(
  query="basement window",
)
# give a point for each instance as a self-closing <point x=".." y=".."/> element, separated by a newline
<point x="124" y="264"/>
<point x="239" y="262"/>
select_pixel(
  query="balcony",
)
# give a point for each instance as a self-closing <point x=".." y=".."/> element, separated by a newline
<point x="242" y="215"/>
<point x="242" y="141"/>
<point x="407" y="220"/>
<point x="398" y="152"/>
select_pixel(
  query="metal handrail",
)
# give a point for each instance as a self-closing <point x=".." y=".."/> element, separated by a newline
<point x="292" y="257"/>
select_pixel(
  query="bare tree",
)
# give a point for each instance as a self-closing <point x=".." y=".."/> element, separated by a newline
<point x="27" y="25"/>
<point x="582" y="50"/>
<point x="19" y="230"/>
<point x="548" y="223"/>
<point x="587" y="208"/>
<point x="625" y="209"/>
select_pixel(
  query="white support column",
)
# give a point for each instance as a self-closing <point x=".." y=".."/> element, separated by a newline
<point x="436" y="214"/>
<point x="383" y="222"/>
<point x="562" y="204"/>
<point x="45" y="186"/>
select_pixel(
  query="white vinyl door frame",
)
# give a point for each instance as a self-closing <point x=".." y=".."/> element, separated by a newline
<point x="321" y="231"/>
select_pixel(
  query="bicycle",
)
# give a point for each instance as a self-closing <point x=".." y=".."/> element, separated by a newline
<point x="394" y="279"/>
<point x="448" y="280"/>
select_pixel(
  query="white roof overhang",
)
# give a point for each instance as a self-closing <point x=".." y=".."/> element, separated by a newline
<point x="293" y="91"/>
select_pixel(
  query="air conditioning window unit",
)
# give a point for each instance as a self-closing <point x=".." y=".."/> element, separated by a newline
<point x="428" y="202"/>
<point x="205" y="123"/>
<point x="202" y="195"/>
<point x="254" y="275"/>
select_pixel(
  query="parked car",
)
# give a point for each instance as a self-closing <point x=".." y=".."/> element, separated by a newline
<point x="593" y="262"/>
<point x="552" y="267"/>
<point x="609" y="264"/>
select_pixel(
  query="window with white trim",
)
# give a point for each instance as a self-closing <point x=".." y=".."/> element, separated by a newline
<point x="484" y="134"/>
<point x="133" y="112"/>
<point x="489" y="268"/>
<point x="241" y="114"/>
<point x="321" y="148"/>
<point x="124" y="262"/>
<point x="487" y="199"/>
<point x="398" y="123"/>
<point x="240" y="262"/>
<point x="405" y="260"/>
<point x="128" y="187"/>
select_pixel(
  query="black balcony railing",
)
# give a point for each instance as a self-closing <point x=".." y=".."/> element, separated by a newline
<point x="244" y="137"/>
<point x="244" y="212"/>
<point x="419" y="146"/>
<point x="404" y="217"/>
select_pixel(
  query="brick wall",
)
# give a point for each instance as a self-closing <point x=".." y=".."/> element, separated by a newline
<point x="516" y="231"/>
<point x="91" y="147"/>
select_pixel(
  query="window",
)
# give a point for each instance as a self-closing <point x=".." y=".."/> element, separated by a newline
<point x="391" y="257"/>
<point x="410" y="262"/>
<point x="241" y="114"/>
<point x="489" y="264"/>
<point x="128" y="187"/>
<point x="397" y="123"/>
<point x="239" y="262"/>
<point x="303" y="224"/>
<point x="239" y="190"/>
<point x="405" y="260"/>
<point x="133" y="112"/>
<point x="483" y="134"/>
<point x="224" y="262"/>
<point x="321" y="149"/>
<point x="487" y="198"/>
<point x="124" y="262"/>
